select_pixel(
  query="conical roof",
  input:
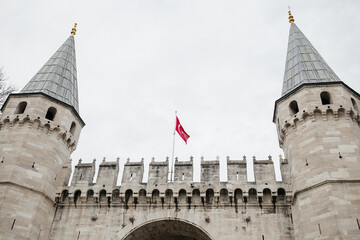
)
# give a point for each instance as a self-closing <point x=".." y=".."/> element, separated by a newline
<point x="58" y="78"/>
<point x="304" y="64"/>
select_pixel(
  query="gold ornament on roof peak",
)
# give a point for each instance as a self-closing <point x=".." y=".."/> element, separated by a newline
<point x="73" y="30"/>
<point x="291" y="18"/>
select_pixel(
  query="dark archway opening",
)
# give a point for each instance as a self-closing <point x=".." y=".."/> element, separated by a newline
<point x="167" y="230"/>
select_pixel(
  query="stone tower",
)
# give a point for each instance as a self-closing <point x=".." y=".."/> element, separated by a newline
<point x="39" y="129"/>
<point x="317" y="119"/>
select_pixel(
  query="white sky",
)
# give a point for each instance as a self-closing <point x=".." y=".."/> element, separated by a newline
<point x="220" y="64"/>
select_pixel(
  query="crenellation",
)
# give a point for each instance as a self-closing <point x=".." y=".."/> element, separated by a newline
<point x="285" y="171"/>
<point x="183" y="171"/>
<point x="133" y="173"/>
<point x="158" y="173"/>
<point x="237" y="171"/>
<point x="83" y="174"/>
<point x="210" y="171"/>
<point x="264" y="173"/>
<point x="108" y="174"/>
<point x="317" y="121"/>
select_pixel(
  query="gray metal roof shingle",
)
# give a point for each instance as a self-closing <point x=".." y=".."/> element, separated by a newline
<point x="57" y="78"/>
<point x="304" y="64"/>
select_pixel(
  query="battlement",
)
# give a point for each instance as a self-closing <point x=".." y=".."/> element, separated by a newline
<point x="159" y="189"/>
<point x="40" y="124"/>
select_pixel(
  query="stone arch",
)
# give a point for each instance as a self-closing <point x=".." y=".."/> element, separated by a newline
<point x="224" y="196"/>
<point x="168" y="229"/>
<point x="238" y="196"/>
<point x="196" y="196"/>
<point x="293" y="107"/>
<point x="317" y="114"/>
<point x="72" y="128"/>
<point x="341" y="113"/>
<point x="90" y="195"/>
<point x="142" y="196"/>
<point x="102" y="195"/>
<point x="20" y="109"/>
<point x="182" y="196"/>
<point x="252" y="195"/>
<point x="168" y="196"/>
<point x="116" y="195"/>
<point x="267" y="196"/>
<point x="50" y="114"/>
<point x="281" y="195"/>
<point x="155" y="196"/>
<point x="77" y="196"/>
<point x="209" y="196"/>
<point x="354" y="104"/>
<point x="330" y="114"/>
<point x="325" y="98"/>
<point x="129" y="196"/>
<point x="65" y="196"/>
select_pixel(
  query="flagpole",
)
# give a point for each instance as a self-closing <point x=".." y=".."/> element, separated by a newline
<point x="173" y="150"/>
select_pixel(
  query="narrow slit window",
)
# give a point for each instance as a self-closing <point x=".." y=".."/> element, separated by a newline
<point x="72" y="128"/>
<point x="354" y="104"/>
<point x="293" y="107"/>
<point x="183" y="177"/>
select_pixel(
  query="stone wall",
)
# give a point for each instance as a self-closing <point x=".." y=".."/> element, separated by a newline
<point x="235" y="209"/>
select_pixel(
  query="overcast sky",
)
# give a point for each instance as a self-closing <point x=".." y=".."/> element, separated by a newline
<point x="220" y="64"/>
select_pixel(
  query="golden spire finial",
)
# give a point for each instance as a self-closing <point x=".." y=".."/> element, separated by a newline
<point x="291" y="18"/>
<point x="73" y="30"/>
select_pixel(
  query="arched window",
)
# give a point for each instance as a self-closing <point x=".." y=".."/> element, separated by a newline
<point x="20" y="109"/>
<point x="51" y="112"/>
<point x="209" y="196"/>
<point x="281" y="195"/>
<point x="155" y="196"/>
<point x="252" y="195"/>
<point x="128" y="196"/>
<point x="182" y="196"/>
<point x="238" y="195"/>
<point x="142" y="196"/>
<point x="224" y="195"/>
<point x="72" y="128"/>
<point x="354" y="104"/>
<point x="267" y="198"/>
<point x="102" y="196"/>
<point x="77" y="196"/>
<point x="90" y="196"/>
<point x="65" y="196"/>
<point x="116" y="195"/>
<point x="293" y="107"/>
<point x="196" y="196"/>
<point x="325" y="98"/>
<point x="168" y="196"/>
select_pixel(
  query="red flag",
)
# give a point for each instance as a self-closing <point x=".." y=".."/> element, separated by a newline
<point x="181" y="131"/>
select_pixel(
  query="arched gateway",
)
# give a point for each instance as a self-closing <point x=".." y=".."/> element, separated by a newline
<point x="168" y="229"/>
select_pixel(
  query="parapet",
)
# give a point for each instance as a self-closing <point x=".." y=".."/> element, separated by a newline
<point x="264" y="171"/>
<point x="133" y="173"/>
<point x="183" y="170"/>
<point x="108" y="173"/>
<point x="159" y="188"/>
<point x="236" y="169"/>
<point x="210" y="171"/>
<point x="158" y="172"/>
<point x="83" y="173"/>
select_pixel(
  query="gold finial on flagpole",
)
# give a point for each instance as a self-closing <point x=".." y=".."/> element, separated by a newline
<point x="291" y="18"/>
<point x="73" y="30"/>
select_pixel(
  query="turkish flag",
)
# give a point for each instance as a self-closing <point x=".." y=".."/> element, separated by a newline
<point x="181" y="131"/>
